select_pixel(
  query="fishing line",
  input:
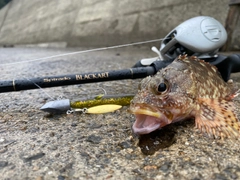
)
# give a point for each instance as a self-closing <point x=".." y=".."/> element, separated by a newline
<point x="60" y="97"/>
<point x="41" y="89"/>
<point x="78" y="52"/>
<point x="85" y="51"/>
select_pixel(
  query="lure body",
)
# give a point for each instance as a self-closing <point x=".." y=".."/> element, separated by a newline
<point x="123" y="100"/>
<point x="110" y="102"/>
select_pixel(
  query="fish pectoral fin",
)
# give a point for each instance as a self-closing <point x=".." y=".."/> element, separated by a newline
<point x="217" y="118"/>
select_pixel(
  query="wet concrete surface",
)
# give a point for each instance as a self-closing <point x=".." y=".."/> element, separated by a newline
<point x="35" y="145"/>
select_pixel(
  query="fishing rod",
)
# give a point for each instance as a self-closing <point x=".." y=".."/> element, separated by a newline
<point x="91" y="77"/>
<point x="225" y="64"/>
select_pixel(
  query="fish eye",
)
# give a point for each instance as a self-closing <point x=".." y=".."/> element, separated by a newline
<point x="162" y="87"/>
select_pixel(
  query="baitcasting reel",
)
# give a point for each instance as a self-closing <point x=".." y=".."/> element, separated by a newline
<point x="200" y="36"/>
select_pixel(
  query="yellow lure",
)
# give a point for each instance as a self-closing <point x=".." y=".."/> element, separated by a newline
<point x="100" y="109"/>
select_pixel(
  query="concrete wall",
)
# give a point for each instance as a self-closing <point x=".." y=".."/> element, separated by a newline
<point x="99" y="22"/>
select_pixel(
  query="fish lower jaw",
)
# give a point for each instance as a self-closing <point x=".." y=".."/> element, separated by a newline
<point x="148" y="121"/>
<point x="145" y="130"/>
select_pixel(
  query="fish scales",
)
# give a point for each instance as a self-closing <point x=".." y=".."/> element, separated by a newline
<point x="187" y="88"/>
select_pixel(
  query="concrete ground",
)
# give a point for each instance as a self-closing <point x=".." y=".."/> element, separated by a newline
<point x="35" y="145"/>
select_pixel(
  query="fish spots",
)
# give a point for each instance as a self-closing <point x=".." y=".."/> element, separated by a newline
<point x="193" y="58"/>
<point x="232" y="123"/>
<point x="214" y="68"/>
<point x="210" y="73"/>
<point x="202" y="64"/>
<point x="183" y="57"/>
<point x="226" y="107"/>
<point x="208" y="112"/>
<point x="186" y="71"/>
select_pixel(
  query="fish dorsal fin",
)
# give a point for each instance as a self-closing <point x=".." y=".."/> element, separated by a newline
<point x="217" y="118"/>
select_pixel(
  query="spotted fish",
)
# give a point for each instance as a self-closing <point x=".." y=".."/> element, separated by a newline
<point x="187" y="88"/>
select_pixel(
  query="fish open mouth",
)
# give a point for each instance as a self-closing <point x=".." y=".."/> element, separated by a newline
<point x="147" y="120"/>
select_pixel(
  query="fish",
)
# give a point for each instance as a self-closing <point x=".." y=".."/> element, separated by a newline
<point x="187" y="88"/>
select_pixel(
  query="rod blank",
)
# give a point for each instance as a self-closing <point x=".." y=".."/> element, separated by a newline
<point x="53" y="81"/>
